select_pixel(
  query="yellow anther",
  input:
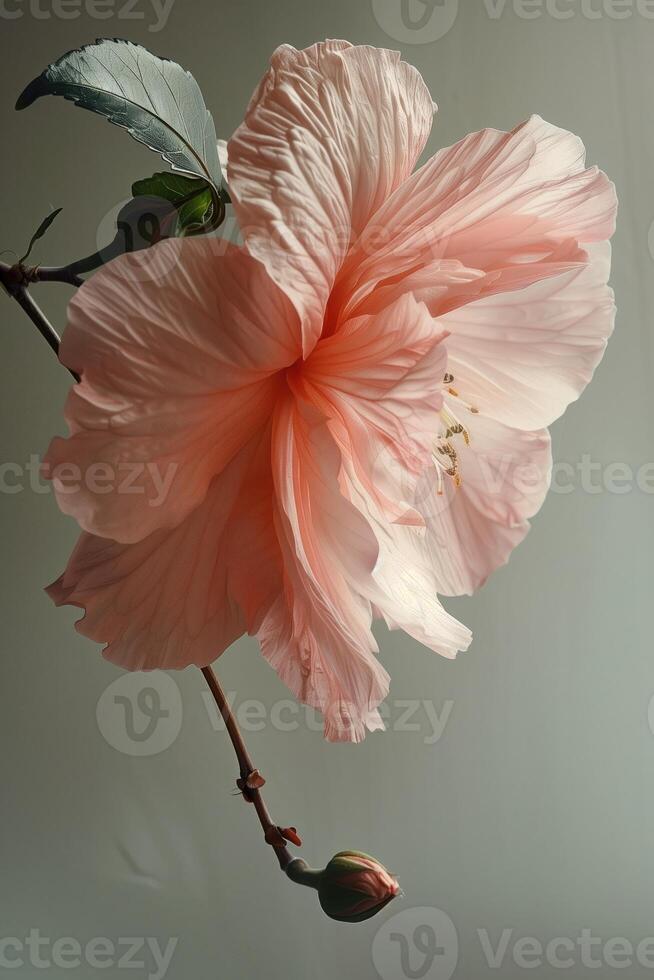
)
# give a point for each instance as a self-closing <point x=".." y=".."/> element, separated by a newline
<point x="442" y="446"/>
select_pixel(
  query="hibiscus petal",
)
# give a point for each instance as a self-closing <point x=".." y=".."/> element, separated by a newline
<point x="177" y="374"/>
<point x="407" y="595"/>
<point x="522" y="357"/>
<point x="405" y="588"/>
<point x="181" y="597"/>
<point x="329" y="134"/>
<point x="512" y="205"/>
<point x="223" y="156"/>
<point x="379" y="379"/>
<point x="432" y="284"/>
<point x="472" y="529"/>
<point x="318" y="635"/>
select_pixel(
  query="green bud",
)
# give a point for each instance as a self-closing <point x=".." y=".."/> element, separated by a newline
<point x="353" y="887"/>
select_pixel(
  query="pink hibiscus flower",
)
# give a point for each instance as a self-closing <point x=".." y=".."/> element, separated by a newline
<point x="352" y="405"/>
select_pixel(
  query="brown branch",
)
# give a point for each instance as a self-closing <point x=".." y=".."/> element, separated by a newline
<point x="13" y="280"/>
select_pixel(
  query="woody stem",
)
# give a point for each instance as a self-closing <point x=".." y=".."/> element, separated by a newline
<point x="11" y="277"/>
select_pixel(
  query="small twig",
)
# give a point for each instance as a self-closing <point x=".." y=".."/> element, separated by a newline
<point x="64" y="273"/>
<point x="25" y="275"/>
<point x="72" y="272"/>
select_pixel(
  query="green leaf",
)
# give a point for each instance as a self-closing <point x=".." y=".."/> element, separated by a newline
<point x="39" y="233"/>
<point x="155" y="100"/>
<point x="164" y="206"/>
<point x="195" y="201"/>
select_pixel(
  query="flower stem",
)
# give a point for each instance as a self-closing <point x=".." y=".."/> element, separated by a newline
<point x="299" y="871"/>
<point x="252" y="795"/>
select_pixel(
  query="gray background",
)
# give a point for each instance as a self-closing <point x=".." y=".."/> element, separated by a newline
<point x="534" y="809"/>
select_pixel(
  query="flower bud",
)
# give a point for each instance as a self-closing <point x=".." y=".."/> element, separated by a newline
<point x="353" y="886"/>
